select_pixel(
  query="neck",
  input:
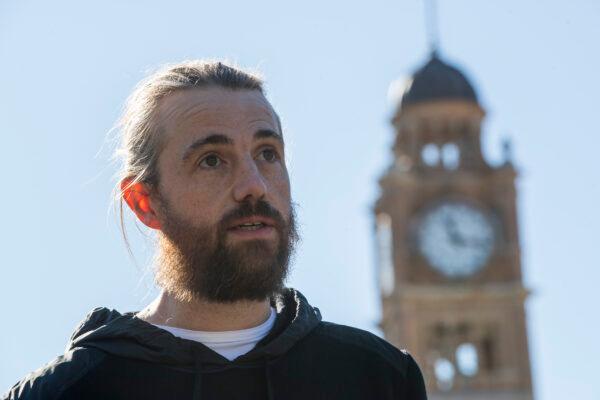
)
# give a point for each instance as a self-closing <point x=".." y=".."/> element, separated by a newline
<point x="202" y="315"/>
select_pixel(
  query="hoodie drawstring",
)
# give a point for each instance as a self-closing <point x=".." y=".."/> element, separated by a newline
<point x="268" y="381"/>
<point x="197" y="393"/>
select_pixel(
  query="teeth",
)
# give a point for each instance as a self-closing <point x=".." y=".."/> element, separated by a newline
<point x="251" y="226"/>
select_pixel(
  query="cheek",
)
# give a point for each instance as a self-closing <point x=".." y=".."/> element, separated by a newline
<point x="277" y="176"/>
<point x="202" y="202"/>
<point x="280" y="187"/>
<point x="195" y="198"/>
<point x="199" y="205"/>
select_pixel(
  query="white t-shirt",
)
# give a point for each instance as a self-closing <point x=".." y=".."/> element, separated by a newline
<point x="229" y="344"/>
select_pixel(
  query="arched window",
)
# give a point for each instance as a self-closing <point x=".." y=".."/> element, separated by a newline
<point x="444" y="373"/>
<point x="385" y="261"/>
<point x="430" y="154"/>
<point x="467" y="359"/>
<point x="450" y="156"/>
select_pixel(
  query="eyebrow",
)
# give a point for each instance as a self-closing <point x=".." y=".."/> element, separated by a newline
<point x="218" y="138"/>
<point x="266" y="134"/>
<point x="215" y="138"/>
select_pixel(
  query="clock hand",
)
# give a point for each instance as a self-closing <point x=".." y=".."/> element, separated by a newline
<point x="455" y="237"/>
<point x="477" y="242"/>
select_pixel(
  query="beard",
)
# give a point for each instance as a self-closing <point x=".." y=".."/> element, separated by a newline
<point x="197" y="262"/>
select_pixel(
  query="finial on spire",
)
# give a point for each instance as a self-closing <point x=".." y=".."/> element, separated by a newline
<point x="507" y="151"/>
<point x="431" y="26"/>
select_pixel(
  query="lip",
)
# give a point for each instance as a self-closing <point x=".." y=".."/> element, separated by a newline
<point x="267" y="222"/>
<point x="265" y="232"/>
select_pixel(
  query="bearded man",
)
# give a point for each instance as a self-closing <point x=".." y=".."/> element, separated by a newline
<point x="204" y="166"/>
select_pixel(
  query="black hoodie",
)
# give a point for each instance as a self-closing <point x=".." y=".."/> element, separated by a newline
<point x="119" y="356"/>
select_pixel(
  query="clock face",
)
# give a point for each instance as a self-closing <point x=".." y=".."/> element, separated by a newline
<point x="456" y="239"/>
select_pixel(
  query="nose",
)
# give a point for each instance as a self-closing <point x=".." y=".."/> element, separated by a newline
<point x="250" y="184"/>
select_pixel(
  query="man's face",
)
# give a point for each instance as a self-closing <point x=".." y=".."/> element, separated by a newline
<point x="223" y="196"/>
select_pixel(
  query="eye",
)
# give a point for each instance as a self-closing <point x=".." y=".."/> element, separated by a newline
<point x="210" y="161"/>
<point x="269" y="155"/>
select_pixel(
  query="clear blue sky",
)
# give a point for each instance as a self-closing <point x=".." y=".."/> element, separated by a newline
<point x="67" y="66"/>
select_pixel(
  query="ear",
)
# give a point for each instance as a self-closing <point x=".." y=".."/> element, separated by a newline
<point x="137" y="197"/>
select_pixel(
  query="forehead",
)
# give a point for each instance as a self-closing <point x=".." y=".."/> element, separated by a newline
<point x="215" y="108"/>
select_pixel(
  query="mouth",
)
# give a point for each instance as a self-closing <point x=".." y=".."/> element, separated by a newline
<point x="252" y="227"/>
<point x="252" y="223"/>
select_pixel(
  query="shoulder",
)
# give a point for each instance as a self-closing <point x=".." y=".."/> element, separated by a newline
<point x="360" y="354"/>
<point x="49" y="381"/>
<point x="363" y="344"/>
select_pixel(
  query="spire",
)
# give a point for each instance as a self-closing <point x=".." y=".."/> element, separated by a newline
<point x="507" y="151"/>
<point x="431" y="26"/>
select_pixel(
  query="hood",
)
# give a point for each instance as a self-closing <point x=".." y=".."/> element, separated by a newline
<point x="127" y="336"/>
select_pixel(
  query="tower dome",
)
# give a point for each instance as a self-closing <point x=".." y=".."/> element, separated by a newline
<point x="437" y="80"/>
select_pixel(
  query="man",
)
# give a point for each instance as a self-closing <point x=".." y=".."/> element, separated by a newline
<point x="204" y="166"/>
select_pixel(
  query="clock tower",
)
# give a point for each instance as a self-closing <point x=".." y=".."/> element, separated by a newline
<point x="448" y="247"/>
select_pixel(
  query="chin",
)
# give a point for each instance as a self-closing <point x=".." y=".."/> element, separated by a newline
<point x="254" y="249"/>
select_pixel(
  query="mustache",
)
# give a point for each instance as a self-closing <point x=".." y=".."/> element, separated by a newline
<point x="260" y="208"/>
